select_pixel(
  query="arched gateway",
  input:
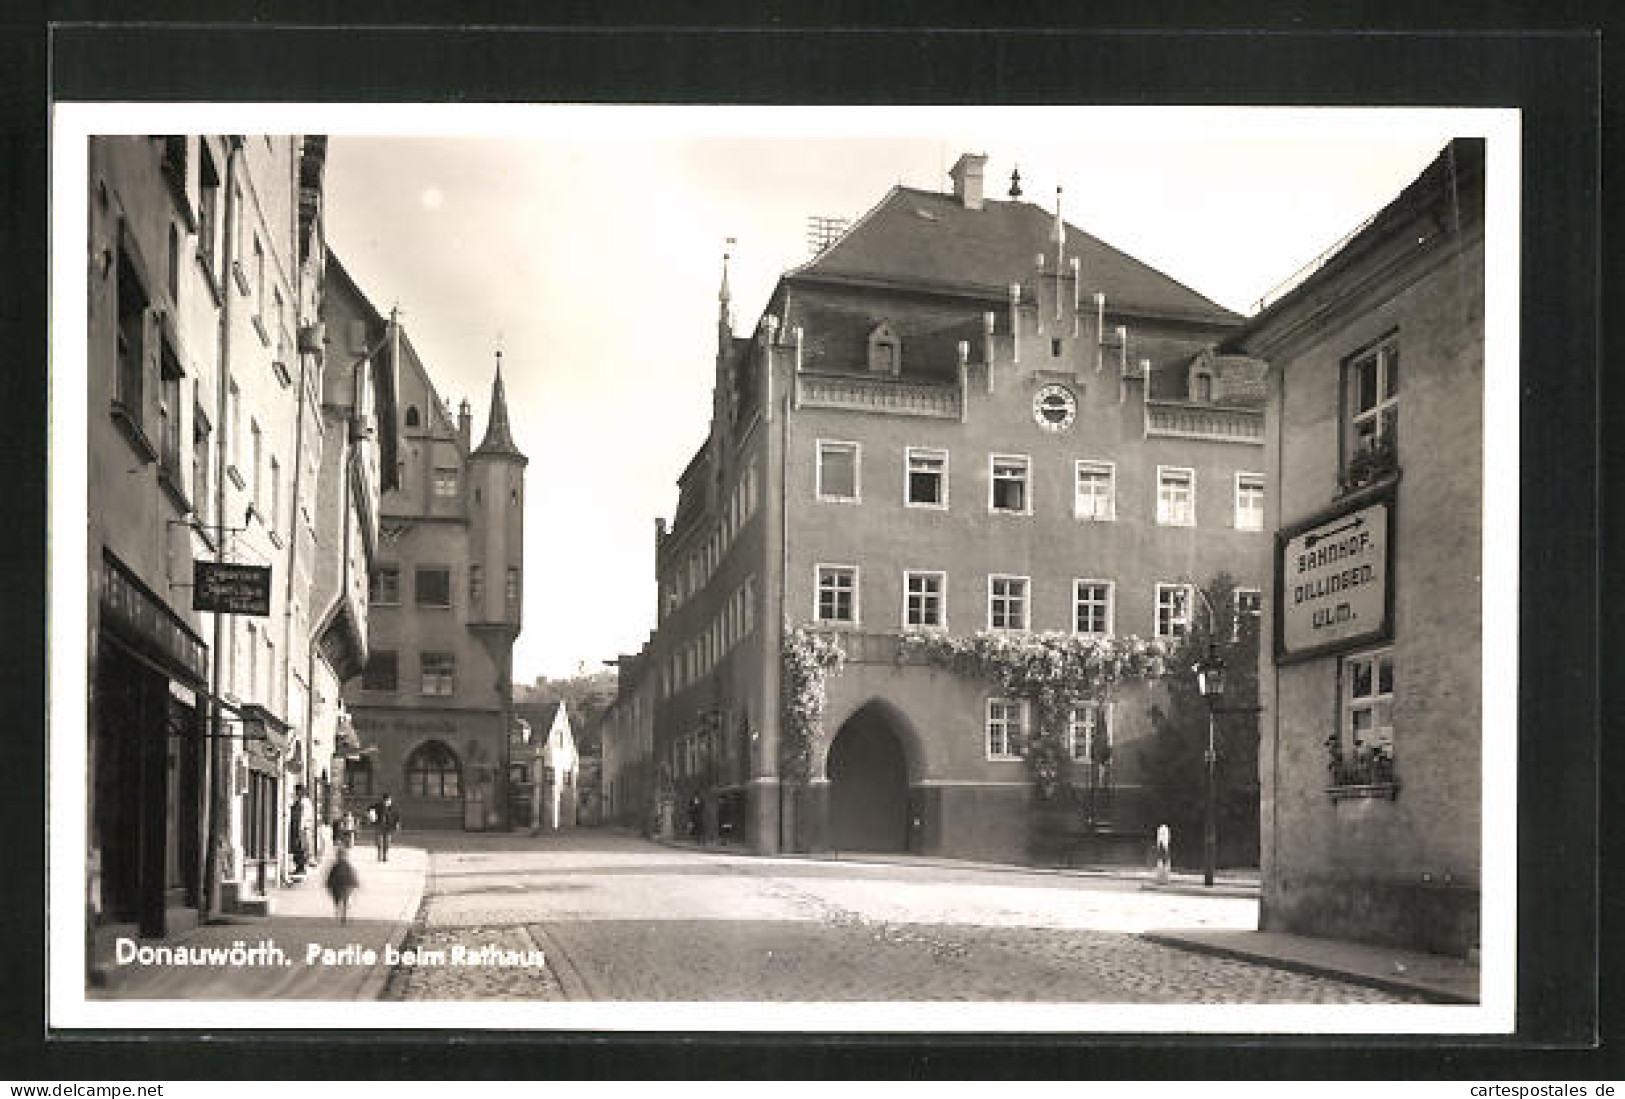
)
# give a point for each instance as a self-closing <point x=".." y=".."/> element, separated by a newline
<point x="868" y="784"/>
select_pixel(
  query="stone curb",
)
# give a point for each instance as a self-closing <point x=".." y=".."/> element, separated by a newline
<point x="1397" y="985"/>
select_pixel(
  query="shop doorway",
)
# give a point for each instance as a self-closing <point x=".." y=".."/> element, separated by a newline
<point x="868" y="785"/>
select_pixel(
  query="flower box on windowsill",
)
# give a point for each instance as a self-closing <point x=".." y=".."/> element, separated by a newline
<point x="1371" y="466"/>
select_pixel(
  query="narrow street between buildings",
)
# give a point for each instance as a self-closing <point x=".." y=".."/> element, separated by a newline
<point x="619" y="918"/>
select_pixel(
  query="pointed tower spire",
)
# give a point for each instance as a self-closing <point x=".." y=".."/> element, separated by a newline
<point x="725" y="321"/>
<point x="498" y="439"/>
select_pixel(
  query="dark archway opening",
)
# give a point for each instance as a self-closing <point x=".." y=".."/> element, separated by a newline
<point x="868" y="786"/>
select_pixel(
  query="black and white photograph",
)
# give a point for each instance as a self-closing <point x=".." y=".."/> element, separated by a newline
<point x="684" y="568"/>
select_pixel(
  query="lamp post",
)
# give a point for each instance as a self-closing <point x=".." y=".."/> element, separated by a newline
<point x="1210" y="681"/>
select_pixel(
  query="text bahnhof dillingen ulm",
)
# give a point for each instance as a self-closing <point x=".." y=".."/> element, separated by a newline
<point x="266" y="952"/>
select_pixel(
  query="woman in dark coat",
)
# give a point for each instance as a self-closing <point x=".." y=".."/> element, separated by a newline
<point x="341" y="882"/>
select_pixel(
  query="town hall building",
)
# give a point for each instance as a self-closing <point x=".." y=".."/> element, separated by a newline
<point x="962" y="416"/>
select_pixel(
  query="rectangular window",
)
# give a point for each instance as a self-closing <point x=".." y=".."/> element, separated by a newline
<point x="169" y="409"/>
<point x="1371" y="401"/>
<point x="1367" y="725"/>
<point x="1249" y="501"/>
<point x="385" y="587"/>
<point x="135" y="325"/>
<point x="1173" y="610"/>
<point x="1092" y="607"/>
<point x="838" y="471"/>
<point x="253" y="661"/>
<point x="200" y="463"/>
<point x="1249" y="611"/>
<point x="445" y="484"/>
<point x="923" y="600"/>
<point x="1008" y="489"/>
<point x="1006" y="728"/>
<point x="1007" y="602"/>
<point x="234" y="405"/>
<point x="837" y="594"/>
<point x="927" y="476"/>
<point x="259" y="284"/>
<point x="1089" y="733"/>
<point x="439" y="672"/>
<point x="276" y="493"/>
<point x="208" y="218"/>
<point x="1096" y="492"/>
<point x="511" y="593"/>
<point x="476" y="586"/>
<point x="432" y="587"/>
<point x="1176" y="496"/>
<point x="259" y="441"/>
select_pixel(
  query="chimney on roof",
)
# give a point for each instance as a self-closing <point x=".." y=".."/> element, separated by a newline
<point x="967" y="177"/>
<point x="465" y="425"/>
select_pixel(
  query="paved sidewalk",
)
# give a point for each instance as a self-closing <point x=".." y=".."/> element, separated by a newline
<point x="1226" y="883"/>
<point x="1434" y="977"/>
<point x="320" y="959"/>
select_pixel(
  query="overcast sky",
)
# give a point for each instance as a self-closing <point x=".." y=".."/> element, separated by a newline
<point x="587" y="243"/>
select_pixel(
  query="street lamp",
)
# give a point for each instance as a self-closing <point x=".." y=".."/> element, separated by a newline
<point x="1210" y="681"/>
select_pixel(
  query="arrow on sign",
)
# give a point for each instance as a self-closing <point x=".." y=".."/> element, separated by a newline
<point x="1310" y="540"/>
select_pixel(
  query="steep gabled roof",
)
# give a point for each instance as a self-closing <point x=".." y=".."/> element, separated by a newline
<point x="931" y="241"/>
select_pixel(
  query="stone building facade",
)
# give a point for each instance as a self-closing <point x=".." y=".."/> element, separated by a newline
<point x="206" y="437"/>
<point x="433" y="709"/>
<point x="1372" y="738"/>
<point x="964" y="415"/>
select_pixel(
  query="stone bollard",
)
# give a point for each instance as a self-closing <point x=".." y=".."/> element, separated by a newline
<point x="1164" y="843"/>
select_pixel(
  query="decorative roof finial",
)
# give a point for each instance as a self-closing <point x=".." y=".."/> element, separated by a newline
<point x="1015" y="183"/>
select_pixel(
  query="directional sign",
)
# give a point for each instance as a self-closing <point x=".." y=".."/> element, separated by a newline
<point x="1333" y="583"/>
<point x="231" y="589"/>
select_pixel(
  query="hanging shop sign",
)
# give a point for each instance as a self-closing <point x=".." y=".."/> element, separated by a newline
<point x="227" y="588"/>
<point x="1334" y="582"/>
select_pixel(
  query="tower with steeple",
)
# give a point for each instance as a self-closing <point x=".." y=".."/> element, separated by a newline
<point x="496" y="473"/>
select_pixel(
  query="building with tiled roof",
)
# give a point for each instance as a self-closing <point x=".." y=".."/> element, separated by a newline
<point x="964" y="415"/>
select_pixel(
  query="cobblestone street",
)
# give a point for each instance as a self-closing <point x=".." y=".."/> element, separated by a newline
<point x="623" y="919"/>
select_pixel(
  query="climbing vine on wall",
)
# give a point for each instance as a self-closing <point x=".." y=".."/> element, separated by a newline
<point x="807" y="657"/>
<point x="1054" y="672"/>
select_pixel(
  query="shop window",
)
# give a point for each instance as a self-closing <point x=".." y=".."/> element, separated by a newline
<point x="1006" y="728"/>
<point x="838" y="471"/>
<point x="837" y="594"/>
<point x="1008" y="489"/>
<point x="1007" y="602"/>
<point x="432" y="771"/>
<point x="927" y="478"/>
<point x="924" y="606"/>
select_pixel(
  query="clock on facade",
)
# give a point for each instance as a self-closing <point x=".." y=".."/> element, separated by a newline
<point x="1055" y="407"/>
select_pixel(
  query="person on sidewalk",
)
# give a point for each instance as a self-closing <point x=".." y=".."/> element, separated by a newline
<point x="342" y="881"/>
<point x="300" y="826"/>
<point x="387" y="821"/>
<point x="344" y="830"/>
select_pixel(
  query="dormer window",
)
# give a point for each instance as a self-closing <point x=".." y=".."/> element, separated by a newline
<point x="412" y="415"/>
<point x="885" y="350"/>
<point x="1202" y="387"/>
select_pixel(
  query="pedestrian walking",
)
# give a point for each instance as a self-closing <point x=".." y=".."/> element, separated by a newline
<point x="300" y="826"/>
<point x="342" y="881"/>
<point x="344" y="830"/>
<point x="386" y="821"/>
